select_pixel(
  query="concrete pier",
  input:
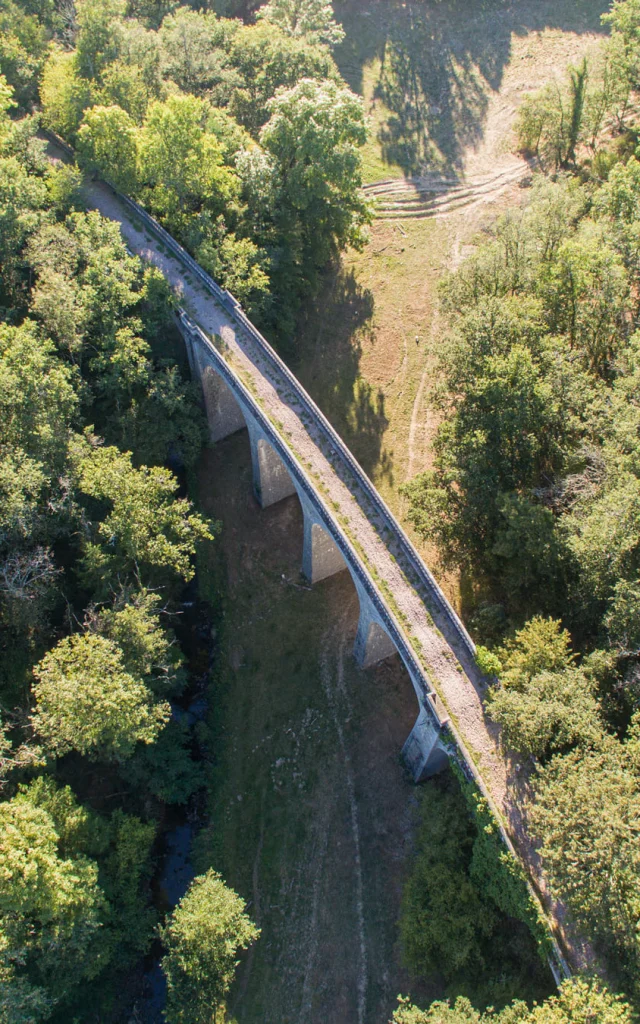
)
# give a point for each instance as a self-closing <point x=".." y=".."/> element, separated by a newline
<point x="271" y="479"/>
<point x="224" y="414"/>
<point x="422" y="752"/>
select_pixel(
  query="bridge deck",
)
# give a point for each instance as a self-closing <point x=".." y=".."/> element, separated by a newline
<point x="450" y="671"/>
<point x="447" y="664"/>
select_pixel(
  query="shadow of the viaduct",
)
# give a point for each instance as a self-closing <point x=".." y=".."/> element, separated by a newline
<point x="436" y="59"/>
<point x="327" y="360"/>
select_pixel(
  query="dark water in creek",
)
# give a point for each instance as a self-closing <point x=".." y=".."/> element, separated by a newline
<point x="181" y="822"/>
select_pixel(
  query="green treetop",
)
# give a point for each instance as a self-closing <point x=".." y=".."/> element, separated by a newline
<point x="311" y="18"/>
<point x="87" y="701"/>
<point x="578" y="1002"/>
<point x="202" y="937"/>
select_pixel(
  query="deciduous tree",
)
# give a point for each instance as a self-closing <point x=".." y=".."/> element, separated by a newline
<point x="181" y="164"/>
<point x="266" y="59"/>
<point x="578" y="1002"/>
<point x="87" y="701"/>
<point x="38" y="399"/>
<point x="195" y="53"/>
<point x="587" y="817"/>
<point x="107" y="143"/>
<point x="146" y="529"/>
<point x="64" y="94"/>
<point x="50" y="904"/>
<point x="311" y="18"/>
<point x="314" y="134"/>
<point x="203" y="937"/>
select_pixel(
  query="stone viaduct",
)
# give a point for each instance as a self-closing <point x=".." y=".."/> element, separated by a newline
<point x="296" y="451"/>
<point x="347" y="526"/>
<point x="326" y="550"/>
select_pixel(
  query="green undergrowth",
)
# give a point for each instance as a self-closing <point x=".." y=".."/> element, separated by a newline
<point x="496" y="869"/>
<point x="466" y="911"/>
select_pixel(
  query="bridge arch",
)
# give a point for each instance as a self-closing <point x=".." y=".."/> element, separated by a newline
<point x="321" y="556"/>
<point x="373" y="643"/>
<point x="272" y="481"/>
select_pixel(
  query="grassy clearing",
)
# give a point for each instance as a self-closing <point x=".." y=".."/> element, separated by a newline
<point x="358" y="353"/>
<point x="441" y="82"/>
<point x="429" y="70"/>
<point x="312" y="818"/>
<point x="311" y="812"/>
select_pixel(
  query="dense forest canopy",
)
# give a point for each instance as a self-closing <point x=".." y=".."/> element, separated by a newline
<point x="534" y="491"/>
<point x="96" y="544"/>
<point x="243" y="140"/>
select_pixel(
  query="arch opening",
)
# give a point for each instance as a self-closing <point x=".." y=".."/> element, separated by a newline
<point x="321" y="556"/>
<point x="373" y="643"/>
<point x="422" y="753"/>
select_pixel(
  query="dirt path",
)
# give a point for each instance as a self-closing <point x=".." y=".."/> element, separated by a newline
<point x="335" y="687"/>
<point x="432" y="197"/>
<point x="422" y="419"/>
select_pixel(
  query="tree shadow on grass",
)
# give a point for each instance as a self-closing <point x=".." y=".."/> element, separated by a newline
<point x="438" y="60"/>
<point x="330" y="335"/>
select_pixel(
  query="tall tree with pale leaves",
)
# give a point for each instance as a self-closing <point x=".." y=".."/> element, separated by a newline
<point x="311" y="18"/>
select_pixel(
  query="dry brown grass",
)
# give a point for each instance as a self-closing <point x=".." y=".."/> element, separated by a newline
<point x="466" y="64"/>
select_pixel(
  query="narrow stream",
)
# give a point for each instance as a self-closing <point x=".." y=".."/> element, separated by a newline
<point x="181" y="823"/>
